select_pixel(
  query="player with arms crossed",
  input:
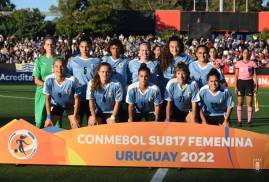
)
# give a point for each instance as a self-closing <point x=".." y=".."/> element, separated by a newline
<point x="62" y="94"/>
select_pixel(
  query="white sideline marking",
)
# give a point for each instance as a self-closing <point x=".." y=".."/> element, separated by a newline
<point x="13" y="97"/>
<point x="159" y="175"/>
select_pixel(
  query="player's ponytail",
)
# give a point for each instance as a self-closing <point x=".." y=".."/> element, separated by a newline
<point x="143" y="67"/>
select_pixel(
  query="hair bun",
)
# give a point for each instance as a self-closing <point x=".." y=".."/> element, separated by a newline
<point x="143" y="65"/>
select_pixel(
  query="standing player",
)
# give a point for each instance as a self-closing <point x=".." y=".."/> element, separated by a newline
<point x="134" y="65"/>
<point x="216" y="63"/>
<point x="42" y="68"/>
<point x="200" y="68"/>
<point x="246" y="85"/>
<point x="62" y="94"/>
<point x="216" y="102"/>
<point x="104" y="95"/>
<point x="119" y="64"/>
<point x="181" y="96"/>
<point x="83" y="68"/>
<point x="144" y="98"/>
<point x="172" y="54"/>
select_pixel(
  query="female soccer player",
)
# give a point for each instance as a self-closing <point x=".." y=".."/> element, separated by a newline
<point x="104" y="95"/>
<point x="172" y="54"/>
<point x="83" y="68"/>
<point x="134" y="65"/>
<point x="156" y="52"/>
<point x="216" y="102"/>
<point x="42" y="68"/>
<point x="200" y="68"/>
<point x="118" y="62"/>
<point x="181" y="96"/>
<point x="216" y="63"/>
<point x="62" y="94"/>
<point x="144" y="98"/>
<point x="246" y="84"/>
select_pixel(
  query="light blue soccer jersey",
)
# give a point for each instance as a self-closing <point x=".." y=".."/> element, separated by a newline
<point x="215" y="104"/>
<point x="61" y="94"/>
<point x="182" y="98"/>
<point x="143" y="102"/>
<point x="120" y="69"/>
<point x="169" y="72"/>
<point x="199" y="74"/>
<point x="134" y="66"/>
<point x="83" y="70"/>
<point x="106" y="97"/>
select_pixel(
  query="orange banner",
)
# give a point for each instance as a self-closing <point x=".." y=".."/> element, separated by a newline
<point x="144" y="144"/>
<point x="263" y="80"/>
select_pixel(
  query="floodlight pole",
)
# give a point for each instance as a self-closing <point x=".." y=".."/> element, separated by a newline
<point x="246" y="6"/>
<point x="194" y="8"/>
<point x="206" y="5"/>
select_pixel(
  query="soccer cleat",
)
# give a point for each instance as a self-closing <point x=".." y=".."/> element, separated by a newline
<point x="249" y="124"/>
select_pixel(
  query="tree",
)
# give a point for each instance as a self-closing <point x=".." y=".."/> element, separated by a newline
<point x="88" y="16"/>
<point x="27" y="23"/>
<point x="6" y="5"/>
<point x="54" y="10"/>
<point x="240" y="5"/>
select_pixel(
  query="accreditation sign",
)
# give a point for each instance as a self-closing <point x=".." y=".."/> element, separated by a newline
<point x="140" y="144"/>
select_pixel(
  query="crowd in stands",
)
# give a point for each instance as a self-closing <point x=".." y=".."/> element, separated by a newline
<point x="229" y="48"/>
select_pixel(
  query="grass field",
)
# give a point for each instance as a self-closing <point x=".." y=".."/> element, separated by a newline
<point x="17" y="101"/>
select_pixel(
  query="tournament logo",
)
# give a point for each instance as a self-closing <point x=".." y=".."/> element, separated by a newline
<point x="22" y="144"/>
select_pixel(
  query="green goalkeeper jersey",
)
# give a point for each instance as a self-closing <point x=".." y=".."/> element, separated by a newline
<point x="43" y="68"/>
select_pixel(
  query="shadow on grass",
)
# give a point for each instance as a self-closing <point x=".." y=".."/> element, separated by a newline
<point x="6" y="120"/>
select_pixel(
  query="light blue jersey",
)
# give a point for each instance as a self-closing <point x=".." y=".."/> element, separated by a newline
<point x="61" y="94"/>
<point x="168" y="74"/>
<point x="143" y="102"/>
<point x="134" y="66"/>
<point x="198" y="73"/>
<point x="106" y="97"/>
<point x="215" y="104"/>
<point x="182" y="98"/>
<point x="120" y="69"/>
<point x="83" y="70"/>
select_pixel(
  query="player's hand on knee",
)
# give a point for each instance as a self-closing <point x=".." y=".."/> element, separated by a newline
<point x="111" y="119"/>
<point x="74" y="125"/>
<point x="92" y="121"/>
<point x="48" y="123"/>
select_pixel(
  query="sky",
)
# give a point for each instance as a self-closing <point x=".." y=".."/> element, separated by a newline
<point x="42" y="5"/>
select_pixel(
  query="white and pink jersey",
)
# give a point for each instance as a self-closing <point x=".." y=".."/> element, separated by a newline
<point x="246" y="70"/>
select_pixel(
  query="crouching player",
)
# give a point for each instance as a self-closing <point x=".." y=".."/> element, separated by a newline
<point x="216" y="102"/>
<point x="181" y="96"/>
<point x="62" y="94"/>
<point x="143" y="98"/>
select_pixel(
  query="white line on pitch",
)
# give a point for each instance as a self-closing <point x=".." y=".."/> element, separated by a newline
<point x="159" y="175"/>
<point x="13" y="97"/>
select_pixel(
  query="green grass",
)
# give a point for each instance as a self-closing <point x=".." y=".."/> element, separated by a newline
<point x="24" y="108"/>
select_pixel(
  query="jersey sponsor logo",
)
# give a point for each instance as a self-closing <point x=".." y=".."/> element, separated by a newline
<point x="121" y="65"/>
<point x="22" y="144"/>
